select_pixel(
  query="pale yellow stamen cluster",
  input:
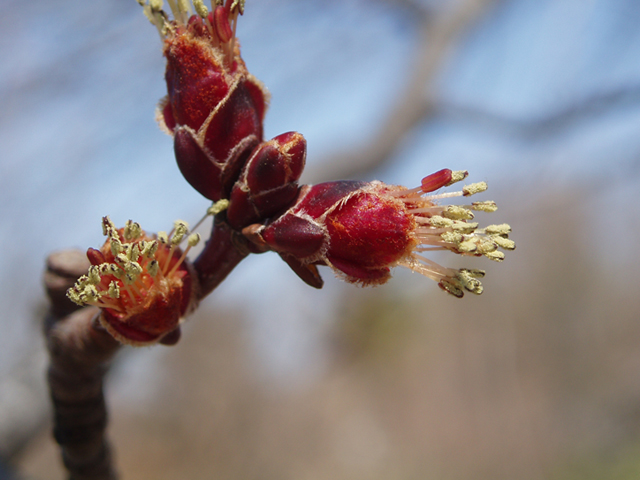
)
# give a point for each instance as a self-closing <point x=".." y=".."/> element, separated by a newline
<point x="449" y="227"/>
<point x="182" y="11"/>
<point x="140" y="266"/>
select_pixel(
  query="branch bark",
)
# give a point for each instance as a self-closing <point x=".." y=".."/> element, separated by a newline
<point x="80" y="350"/>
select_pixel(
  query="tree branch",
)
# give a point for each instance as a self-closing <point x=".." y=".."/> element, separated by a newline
<point x="437" y="36"/>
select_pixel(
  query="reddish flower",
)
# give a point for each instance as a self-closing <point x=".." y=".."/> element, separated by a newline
<point x="143" y="284"/>
<point x="214" y="107"/>
<point x="362" y="229"/>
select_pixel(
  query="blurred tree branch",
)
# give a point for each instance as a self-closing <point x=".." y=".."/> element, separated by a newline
<point x="589" y="106"/>
<point x="438" y="33"/>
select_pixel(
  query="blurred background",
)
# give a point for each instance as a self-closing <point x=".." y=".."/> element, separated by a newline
<point x="538" y="378"/>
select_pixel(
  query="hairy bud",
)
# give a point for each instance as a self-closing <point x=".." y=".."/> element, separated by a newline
<point x="214" y="107"/>
<point x="269" y="181"/>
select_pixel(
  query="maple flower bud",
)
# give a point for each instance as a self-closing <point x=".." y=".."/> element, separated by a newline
<point x="214" y="107"/>
<point x="269" y="181"/>
<point x="143" y="285"/>
<point x="363" y="229"/>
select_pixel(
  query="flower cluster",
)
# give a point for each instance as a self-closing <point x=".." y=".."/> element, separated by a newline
<point x="143" y="285"/>
<point x="363" y="229"/>
<point x="214" y="110"/>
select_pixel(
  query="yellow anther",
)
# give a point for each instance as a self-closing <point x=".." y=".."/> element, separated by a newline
<point x="180" y="230"/>
<point x="94" y="275"/>
<point x="156" y="5"/>
<point x="193" y="239"/>
<point x="72" y="295"/>
<point x="218" y="207"/>
<point x="455" y="212"/>
<point x="116" y="246"/>
<point x="475" y="273"/>
<point x="132" y="230"/>
<point x="153" y="268"/>
<point x="133" y="268"/>
<point x="440" y="222"/>
<point x="449" y="287"/>
<point x="464" y="227"/>
<point x="496" y="256"/>
<point x="134" y="254"/>
<point x="122" y="259"/>
<point x="457" y="176"/>
<point x="152" y="249"/>
<point x="114" y="290"/>
<point x="488" y="206"/>
<point x="90" y="294"/>
<point x="452" y="237"/>
<point x="469" y="282"/>
<point x="474" y="188"/>
<point x="502" y="229"/>
<point x="468" y="246"/>
<point x="239" y="4"/>
<point x="486" y="245"/>
<point x="183" y="6"/>
<point x="108" y="227"/>
<point x="162" y="237"/>
<point x="200" y="8"/>
<point x="504" y="242"/>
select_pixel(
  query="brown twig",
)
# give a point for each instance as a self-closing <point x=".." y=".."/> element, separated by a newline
<point x="223" y="251"/>
<point x="80" y="350"/>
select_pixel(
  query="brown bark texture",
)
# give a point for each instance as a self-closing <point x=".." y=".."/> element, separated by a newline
<point x="80" y="351"/>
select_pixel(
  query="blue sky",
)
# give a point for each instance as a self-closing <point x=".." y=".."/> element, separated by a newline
<point x="79" y="82"/>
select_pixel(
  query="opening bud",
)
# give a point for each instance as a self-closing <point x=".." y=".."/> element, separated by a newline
<point x="144" y="285"/>
<point x="362" y="230"/>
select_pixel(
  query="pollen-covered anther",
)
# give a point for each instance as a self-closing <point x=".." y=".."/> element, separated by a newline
<point x="143" y="286"/>
<point x="457" y="176"/>
<point x="464" y="227"/>
<point x="456" y="212"/>
<point x="200" y="8"/>
<point x="503" y="243"/>
<point x="502" y="229"/>
<point x="487" y="206"/>
<point x="474" y="188"/>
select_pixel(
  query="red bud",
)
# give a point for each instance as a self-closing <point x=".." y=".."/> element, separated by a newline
<point x="268" y="184"/>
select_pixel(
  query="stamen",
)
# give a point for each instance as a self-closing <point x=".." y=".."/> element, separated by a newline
<point x="435" y="209"/>
<point x="153" y="268"/>
<point x="440" y="196"/>
<point x="455" y="212"/>
<point x="221" y="23"/>
<point x="504" y="242"/>
<point x="502" y="229"/>
<point x="440" y="222"/>
<point x="193" y="240"/>
<point x="457" y="176"/>
<point x="201" y="8"/>
<point x="487" y="206"/>
<point x="474" y="188"/>
<point x="436" y="180"/>
<point x="496" y="256"/>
